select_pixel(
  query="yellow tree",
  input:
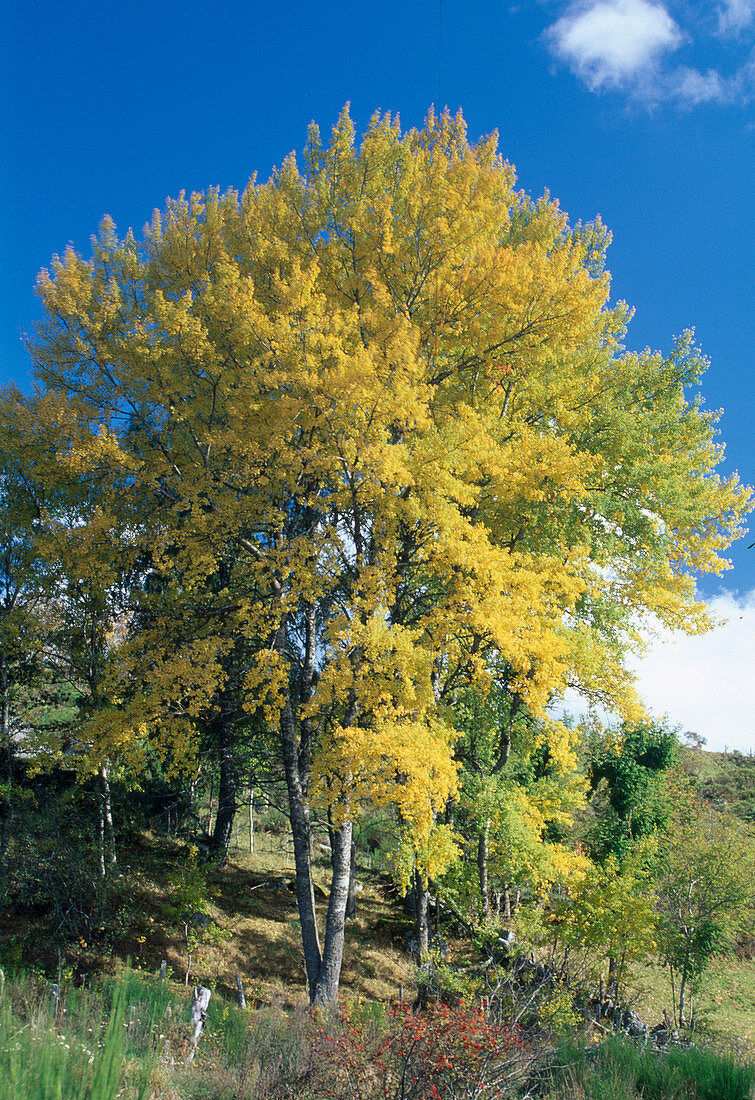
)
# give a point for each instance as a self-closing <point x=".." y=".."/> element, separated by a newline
<point x="384" y="396"/>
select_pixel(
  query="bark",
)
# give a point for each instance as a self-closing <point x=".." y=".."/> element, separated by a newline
<point x="351" y="900"/>
<point x="683" y="987"/>
<point x="199" y="1007"/>
<point x="109" y="853"/>
<point x="482" y="869"/>
<point x="419" y="894"/>
<point x="212" y="801"/>
<point x="221" y="835"/>
<point x="612" y="986"/>
<point x="682" y="993"/>
<point x="301" y="831"/>
<point x="101" y="834"/>
<point x="323" y="965"/>
<point x="506" y="733"/>
<point x="326" y="986"/>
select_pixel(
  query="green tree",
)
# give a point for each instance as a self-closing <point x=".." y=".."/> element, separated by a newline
<point x="519" y="790"/>
<point x="705" y="894"/>
<point x="21" y="591"/>
<point x="628" y="771"/>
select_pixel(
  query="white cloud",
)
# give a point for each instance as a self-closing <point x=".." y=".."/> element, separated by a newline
<point x="627" y="46"/>
<point x="707" y="683"/>
<point x="734" y="16"/>
<point x="692" y="87"/>
<point x="614" y="43"/>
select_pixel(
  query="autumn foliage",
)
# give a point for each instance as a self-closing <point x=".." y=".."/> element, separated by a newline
<point x="442" y="1053"/>
<point x="359" y="442"/>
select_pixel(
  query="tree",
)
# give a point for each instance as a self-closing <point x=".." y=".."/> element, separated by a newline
<point x="21" y="588"/>
<point x="519" y="789"/>
<point x="386" y="396"/>
<point x="705" y="893"/>
<point x="34" y="487"/>
<point x="628" y="769"/>
<point x="608" y="912"/>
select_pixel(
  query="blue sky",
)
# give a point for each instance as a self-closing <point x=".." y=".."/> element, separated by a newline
<point x="640" y="110"/>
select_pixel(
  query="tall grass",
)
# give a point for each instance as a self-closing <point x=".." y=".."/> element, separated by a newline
<point x="126" y="1039"/>
<point x="55" y="1051"/>
<point x="619" y="1070"/>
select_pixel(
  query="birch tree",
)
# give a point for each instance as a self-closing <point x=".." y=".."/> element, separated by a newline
<point x="384" y="396"/>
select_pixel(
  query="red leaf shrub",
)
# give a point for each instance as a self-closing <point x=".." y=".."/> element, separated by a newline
<point x="440" y="1054"/>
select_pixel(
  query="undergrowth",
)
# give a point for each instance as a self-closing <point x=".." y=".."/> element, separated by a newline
<point x="128" y="1038"/>
<point x="618" y="1069"/>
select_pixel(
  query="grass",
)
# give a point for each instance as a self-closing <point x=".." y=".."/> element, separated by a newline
<point x="127" y="1038"/>
<point x="619" y="1070"/>
<point x="255" y="920"/>
<point x="266" y="1052"/>
<point x="724" y="1007"/>
<point x="67" y="1048"/>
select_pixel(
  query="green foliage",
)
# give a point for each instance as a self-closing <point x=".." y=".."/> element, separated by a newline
<point x="627" y="769"/>
<point x="557" y="1013"/>
<point x="363" y="472"/>
<point x="189" y="906"/>
<point x="51" y="863"/>
<point x="727" y="780"/>
<point x="609" y="913"/>
<point x="706" y="892"/>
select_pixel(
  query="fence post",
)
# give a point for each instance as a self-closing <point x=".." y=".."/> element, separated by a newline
<point x="199" y="1008"/>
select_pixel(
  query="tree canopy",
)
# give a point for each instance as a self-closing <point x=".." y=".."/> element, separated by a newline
<point x="376" y="439"/>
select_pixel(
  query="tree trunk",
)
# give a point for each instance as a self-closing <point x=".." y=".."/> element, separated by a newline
<point x="298" y="810"/>
<point x="199" y="1007"/>
<point x="110" y="856"/>
<point x="683" y="986"/>
<point x="221" y="835"/>
<point x="326" y="986"/>
<point x="612" y="987"/>
<point x="420" y="896"/>
<point x="351" y="900"/>
<point x="482" y="869"/>
<point x="322" y="964"/>
<point x="212" y="800"/>
<point x="682" y="992"/>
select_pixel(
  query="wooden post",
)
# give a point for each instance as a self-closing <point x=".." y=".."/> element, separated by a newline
<point x="240" y="992"/>
<point x="199" y="1007"/>
<point x="163" y="968"/>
